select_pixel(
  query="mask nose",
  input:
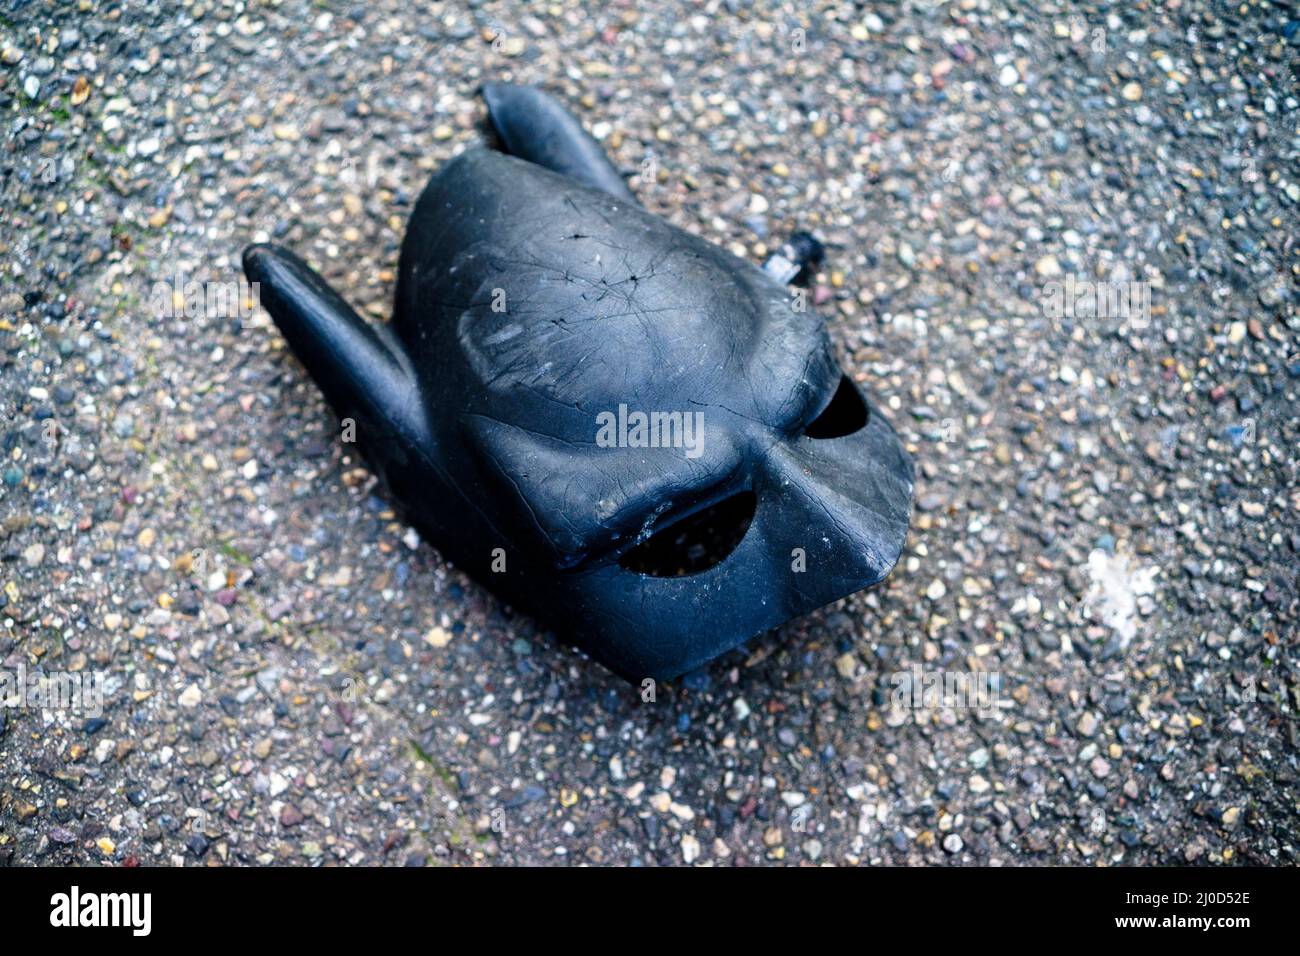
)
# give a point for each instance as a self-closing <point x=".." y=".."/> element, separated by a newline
<point x="842" y="504"/>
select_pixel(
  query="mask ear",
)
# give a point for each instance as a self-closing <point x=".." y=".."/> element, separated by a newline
<point x="362" y="372"/>
<point x="534" y="127"/>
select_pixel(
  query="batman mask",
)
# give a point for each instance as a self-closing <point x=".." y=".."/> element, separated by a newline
<point x="613" y="424"/>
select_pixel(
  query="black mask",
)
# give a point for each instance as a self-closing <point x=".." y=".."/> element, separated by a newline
<point x="613" y="424"/>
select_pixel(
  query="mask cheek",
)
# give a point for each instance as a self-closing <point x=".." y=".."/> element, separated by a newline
<point x="647" y="625"/>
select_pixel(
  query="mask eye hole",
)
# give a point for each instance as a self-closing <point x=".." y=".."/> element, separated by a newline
<point x="846" y="414"/>
<point x="695" y="543"/>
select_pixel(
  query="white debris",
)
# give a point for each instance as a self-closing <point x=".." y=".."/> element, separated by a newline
<point x="1113" y="594"/>
<point x="690" y="848"/>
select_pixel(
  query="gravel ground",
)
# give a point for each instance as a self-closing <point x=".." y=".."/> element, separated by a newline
<point x="1106" y="506"/>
